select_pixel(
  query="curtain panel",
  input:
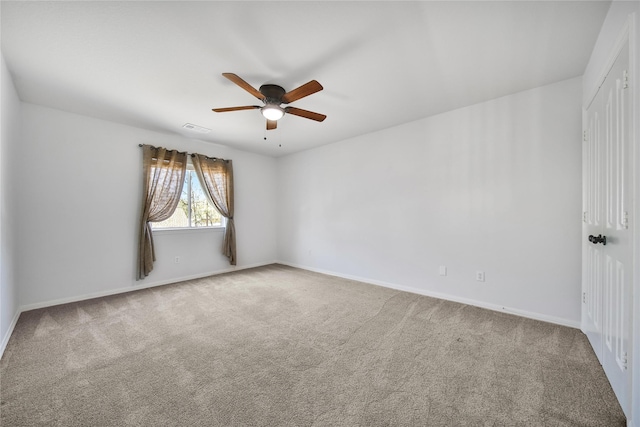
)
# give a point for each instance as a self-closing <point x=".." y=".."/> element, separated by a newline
<point x="163" y="179"/>
<point x="216" y="177"/>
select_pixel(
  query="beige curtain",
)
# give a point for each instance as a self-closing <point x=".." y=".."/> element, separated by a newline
<point x="216" y="177"/>
<point x="163" y="173"/>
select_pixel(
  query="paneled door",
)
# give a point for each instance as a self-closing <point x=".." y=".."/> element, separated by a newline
<point x="607" y="244"/>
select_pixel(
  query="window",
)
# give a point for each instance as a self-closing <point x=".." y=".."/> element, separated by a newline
<point x="194" y="210"/>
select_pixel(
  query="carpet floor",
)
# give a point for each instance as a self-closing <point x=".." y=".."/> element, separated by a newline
<point x="278" y="346"/>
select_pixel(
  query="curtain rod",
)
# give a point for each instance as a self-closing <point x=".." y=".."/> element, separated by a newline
<point x="192" y="154"/>
<point x="212" y="158"/>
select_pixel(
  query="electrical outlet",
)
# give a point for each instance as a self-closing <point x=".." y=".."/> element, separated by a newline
<point x="177" y="260"/>
<point x="480" y="276"/>
<point x="442" y="270"/>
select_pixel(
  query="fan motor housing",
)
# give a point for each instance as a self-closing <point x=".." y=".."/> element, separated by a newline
<point x="272" y="93"/>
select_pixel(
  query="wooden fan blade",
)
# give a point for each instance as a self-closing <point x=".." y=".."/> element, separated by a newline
<point x="304" y="90"/>
<point x="224" y="110"/>
<point x="244" y="85"/>
<point x="306" y="114"/>
<point x="271" y="124"/>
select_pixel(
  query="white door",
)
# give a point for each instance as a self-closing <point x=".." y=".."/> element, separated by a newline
<point x="592" y="253"/>
<point x="607" y="245"/>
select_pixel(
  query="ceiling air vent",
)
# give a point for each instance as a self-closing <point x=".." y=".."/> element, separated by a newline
<point x="196" y="128"/>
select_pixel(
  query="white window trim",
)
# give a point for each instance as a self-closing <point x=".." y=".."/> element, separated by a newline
<point x="187" y="230"/>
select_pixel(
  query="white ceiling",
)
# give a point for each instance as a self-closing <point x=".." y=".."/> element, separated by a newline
<point x="158" y="65"/>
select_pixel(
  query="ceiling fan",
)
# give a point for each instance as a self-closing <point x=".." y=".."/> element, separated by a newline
<point x="273" y="96"/>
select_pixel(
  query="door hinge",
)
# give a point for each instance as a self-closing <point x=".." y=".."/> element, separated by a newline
<point x="624" y="361"/>
<point x="625" y="79"/>
<point x="585" y="136"/>
<point x="584" y="216"/>
<point x="625" y="219"/>
<point x="584" y="297"/>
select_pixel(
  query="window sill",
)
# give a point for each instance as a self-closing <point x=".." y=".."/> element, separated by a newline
<point x="160" y="231"/>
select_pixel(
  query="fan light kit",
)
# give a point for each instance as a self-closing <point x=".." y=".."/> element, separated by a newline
<point x="273" y="96"/>
<point x="272" y="112"/>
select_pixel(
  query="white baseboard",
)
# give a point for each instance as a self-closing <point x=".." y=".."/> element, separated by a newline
<point x="7" y="336"/>
<point x="139" y="285"/>
<point x="467" y="301"/>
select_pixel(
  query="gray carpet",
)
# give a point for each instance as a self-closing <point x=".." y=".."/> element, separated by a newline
<point x="277" y="346"/>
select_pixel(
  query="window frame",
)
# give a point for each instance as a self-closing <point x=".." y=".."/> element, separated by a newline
<point x="223" y="222"/>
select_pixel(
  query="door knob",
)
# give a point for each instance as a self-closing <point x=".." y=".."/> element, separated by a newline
<point x="598" y="239"/>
